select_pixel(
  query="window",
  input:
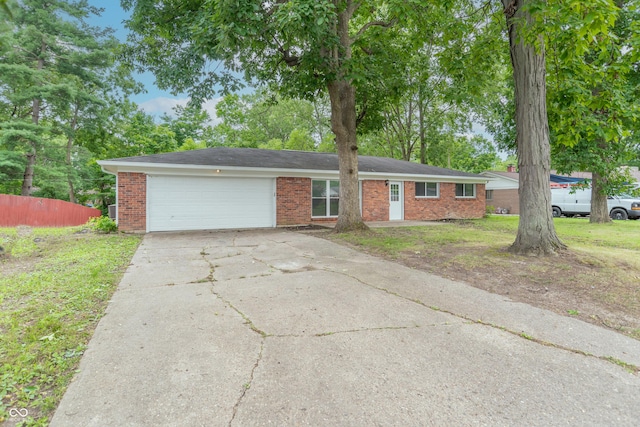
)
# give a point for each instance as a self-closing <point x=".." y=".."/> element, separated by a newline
<point x="465" y="190"/>
<point x="489" y="194"/>
<point x="394" y="193"/>
<point x="427" y="189"/>
<point x="325" y="197"/>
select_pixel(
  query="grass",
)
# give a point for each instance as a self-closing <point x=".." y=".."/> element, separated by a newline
<point x="499" y="232"/>
<point x="54" y="288"/>
<point x="596" y="280"/>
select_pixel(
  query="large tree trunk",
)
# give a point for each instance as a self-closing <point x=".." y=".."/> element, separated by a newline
<point x="599" y="207"/>
<point x="342" y="95"/>
<point x="343" y="124"/>
<point x="536" y="231"/>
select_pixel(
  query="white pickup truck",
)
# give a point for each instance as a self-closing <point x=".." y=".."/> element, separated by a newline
<point x="568" y="203"/>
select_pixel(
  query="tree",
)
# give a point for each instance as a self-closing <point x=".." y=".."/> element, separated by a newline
<point x="190" y="122"/>
<point x="536" y="231"/>
<point x="438" y="90"/>
<point x="592" y="93"/>
<point x="265" y="120"/>
<point x="5" y="7"/>
<point x="470" y="154"/>
<point x="52" y="68"/>
<point x="592" y="86"/>
<point x="11" y="166"/>
<point x="302" y="48"/>
<point x="125" y="131"/>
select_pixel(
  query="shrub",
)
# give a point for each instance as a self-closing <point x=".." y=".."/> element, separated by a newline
<point x="102" y="224"/>
<point x="489" y="210"/>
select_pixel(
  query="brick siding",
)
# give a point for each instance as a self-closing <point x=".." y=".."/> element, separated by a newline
<point x="132" y="202"/>
<point x="505" y="199"/>
<point x="293" y="201"/>
<point x="375" y="201"/>
<point x="447" y="206"/>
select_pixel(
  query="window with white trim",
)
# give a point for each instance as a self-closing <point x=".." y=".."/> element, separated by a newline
<point x="466" y="190"/>
<point x="489" y="194"/>
<point x="325" y="197"/>
<point x="427" y="189"/>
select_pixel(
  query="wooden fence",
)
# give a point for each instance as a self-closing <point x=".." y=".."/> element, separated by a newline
<point x="39" y="212"/>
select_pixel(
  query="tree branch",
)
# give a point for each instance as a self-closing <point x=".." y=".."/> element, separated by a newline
<point x="275" y="7"/>
<point x="291" y="61"/>
<point x="362" y="112"/>
<point x="352" y="7"/>
<point x="370" y="24"/>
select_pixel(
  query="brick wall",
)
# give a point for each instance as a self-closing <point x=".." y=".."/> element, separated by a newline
<point x="293" y="201"/>
<point x="375" y="201"/>
<point x="447" y="206"/>
<point x="132" y="202"/>
<point x="505" y="199"/>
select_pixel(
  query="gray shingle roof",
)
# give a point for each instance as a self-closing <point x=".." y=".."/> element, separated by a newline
<point x="287" y="159"/>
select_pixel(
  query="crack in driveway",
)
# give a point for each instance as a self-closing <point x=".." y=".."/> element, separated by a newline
<point x="246" y="386"/>
<point x="630" y="367"/>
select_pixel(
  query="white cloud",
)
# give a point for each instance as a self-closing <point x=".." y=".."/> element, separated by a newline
<point x="162" y="104"/>
<point x="210" y="107"/>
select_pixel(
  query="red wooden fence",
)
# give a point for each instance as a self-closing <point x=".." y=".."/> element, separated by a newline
<point x="39" y="212"/>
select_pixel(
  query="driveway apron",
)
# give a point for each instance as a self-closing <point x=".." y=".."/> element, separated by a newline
<point x="272" y="327"/>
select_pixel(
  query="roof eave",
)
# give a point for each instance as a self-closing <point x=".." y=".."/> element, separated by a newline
<point x="495" y="176"/>
<point x="114" y="167"/>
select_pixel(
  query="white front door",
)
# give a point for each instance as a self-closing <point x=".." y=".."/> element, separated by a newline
<point x="395" y="201"/>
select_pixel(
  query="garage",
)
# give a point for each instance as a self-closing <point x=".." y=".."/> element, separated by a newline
<point x="202" y="203"/>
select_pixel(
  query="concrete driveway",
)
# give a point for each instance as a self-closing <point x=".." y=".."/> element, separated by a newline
<point x="243" y="328"/>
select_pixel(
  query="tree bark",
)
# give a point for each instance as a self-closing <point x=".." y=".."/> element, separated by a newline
<point x="27" y="182"/>
<point x="536" y="231"/>
<point x="599" y="207"/>
<point x="423" y="140"/>
<point x="342" y="95"/>
<point x="74" y="124"/>
<point x="343" y="124"/>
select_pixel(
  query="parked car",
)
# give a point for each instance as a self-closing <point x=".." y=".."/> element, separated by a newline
<point x="577" y="201"/>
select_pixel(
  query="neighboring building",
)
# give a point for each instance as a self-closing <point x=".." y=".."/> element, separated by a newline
<point x="633" y="171"/>
<point x="502" y="191"/>
<point x="218" y="188"/>
<point x="502" y="188"/>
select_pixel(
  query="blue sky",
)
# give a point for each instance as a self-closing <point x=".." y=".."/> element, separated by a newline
<point x="154" y="101"/>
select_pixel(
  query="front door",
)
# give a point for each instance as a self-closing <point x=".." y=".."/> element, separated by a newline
<point x="395" y="201"/>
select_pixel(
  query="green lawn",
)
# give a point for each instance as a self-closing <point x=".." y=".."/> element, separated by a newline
<point x="499" y="231"/>
<point x="54" y="288"/>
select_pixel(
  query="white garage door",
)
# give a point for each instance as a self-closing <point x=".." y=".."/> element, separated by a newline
<point x="201" y="203"/>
